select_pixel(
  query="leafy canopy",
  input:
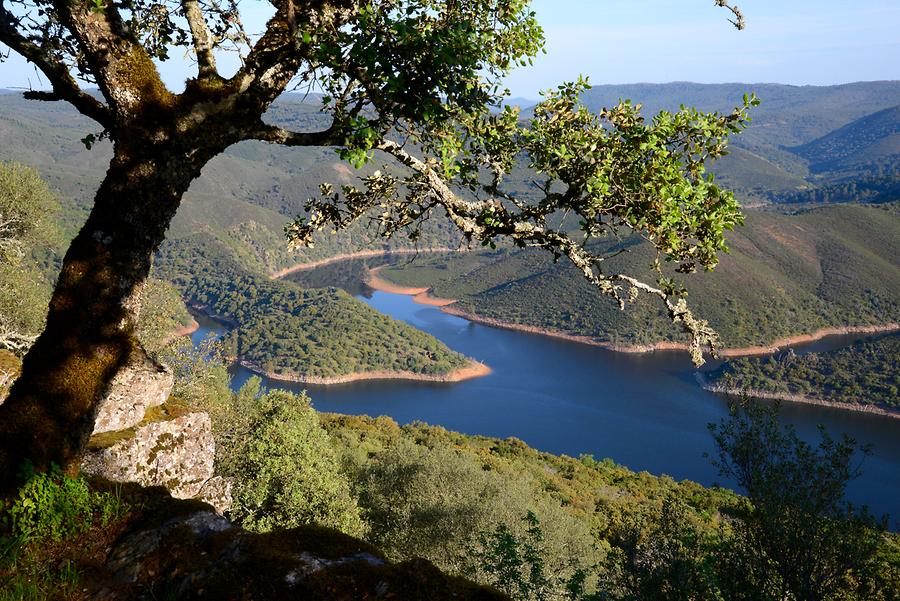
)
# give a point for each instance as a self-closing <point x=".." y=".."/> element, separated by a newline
<point x="416" y="81"/>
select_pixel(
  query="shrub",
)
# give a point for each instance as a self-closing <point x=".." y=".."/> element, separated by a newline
<point x="54" y="506"/>
<point x="286" y="473"/>
<point x="433" y="502"/>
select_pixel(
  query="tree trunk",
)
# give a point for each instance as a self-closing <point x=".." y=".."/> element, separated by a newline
<point x="92" y="320"/>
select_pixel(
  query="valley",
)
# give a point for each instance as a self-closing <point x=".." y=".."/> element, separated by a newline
<point x="801" y="268"/>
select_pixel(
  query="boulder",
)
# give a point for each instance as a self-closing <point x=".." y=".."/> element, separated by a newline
<point x="193" y="553"/>
<point x="137" y="387"/>
<point x="178" y="454"/>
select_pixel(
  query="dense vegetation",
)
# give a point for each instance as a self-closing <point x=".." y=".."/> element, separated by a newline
<point x="869" y="189"/>
<point x="863" y="373"/>
<point x="785" y="275"/>
<point x="870" y="139"/>
<point x="542" y="526"/>
<point x="283" y="329"/>
<point x="28" y="243"/>
<point x="287" y="331"/>
<point x="240" y="204"/>
<point x="243" y="197"/>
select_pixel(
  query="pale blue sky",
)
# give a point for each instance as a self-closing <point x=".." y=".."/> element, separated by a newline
<point x="786" y="41"/>
<point x="625" y="41"/>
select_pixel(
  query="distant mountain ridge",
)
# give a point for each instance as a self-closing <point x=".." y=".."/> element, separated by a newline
<point x="866" y="140"/>
<point x="781" y="152"/>
<point x="789" y="115"/>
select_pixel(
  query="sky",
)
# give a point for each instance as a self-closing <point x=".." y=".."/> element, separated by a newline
<point x="818" y="42"/>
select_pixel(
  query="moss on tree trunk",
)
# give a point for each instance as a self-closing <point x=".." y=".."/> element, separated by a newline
<point x="91" y="325"/>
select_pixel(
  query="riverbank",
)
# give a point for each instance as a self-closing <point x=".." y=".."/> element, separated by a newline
<point x="424" y="296"/>
<point x="186" y="330"/>
<point x="363" y="254"/>
<point x="794" y="398"/>
<point x="177" y="333"/>
<point x="473" y="369"/>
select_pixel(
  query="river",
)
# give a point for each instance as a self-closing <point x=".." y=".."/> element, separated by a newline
<point x="643" y="411"/>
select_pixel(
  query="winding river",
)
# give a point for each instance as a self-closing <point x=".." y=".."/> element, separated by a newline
<point x="644" y="411"/>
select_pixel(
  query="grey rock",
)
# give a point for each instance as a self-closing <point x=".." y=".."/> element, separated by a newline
<point x="217" y="492"/>
<point x="134" y="389"/>
<point x="178" y="454"/>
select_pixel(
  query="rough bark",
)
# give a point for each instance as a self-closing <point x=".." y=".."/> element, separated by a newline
<point x="91" y="325"/>
<point x="162" y="141"/>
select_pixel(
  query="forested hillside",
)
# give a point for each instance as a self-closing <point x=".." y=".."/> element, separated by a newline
<point x="244" y="197"/>
<point x="227" y="238"/>
<point x="785" y="274"/>
<point x="287" y="332"/>
<point x="872" y="139"/>
<point x="795" y="132"/>
<point x="866" y="373"/>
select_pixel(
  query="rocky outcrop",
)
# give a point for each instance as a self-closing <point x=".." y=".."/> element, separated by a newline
<point x="188" y="552"/>
<point x="178" y="454"/>
<point x="136" y="388"/>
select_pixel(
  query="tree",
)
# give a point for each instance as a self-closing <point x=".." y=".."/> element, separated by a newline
<point x="658" y="555"/>
<point x="796" y="538"/>
<point x="25" y="209"/>
<point x="286" y="473"/>
<point x="414" y="80"/>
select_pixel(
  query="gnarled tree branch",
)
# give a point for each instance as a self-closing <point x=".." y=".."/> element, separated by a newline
<point x="121" y="66"/>
<point x="287" y="43"/>
<point x="57" y="72"/>
<point x="738" y="20"/>
<point x="466" y="216"/>
<point x="202" y="39"/>
<point x="278" y="135"/>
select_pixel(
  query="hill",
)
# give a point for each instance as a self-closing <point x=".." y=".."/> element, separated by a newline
<point x="765" y="164"/>
<point x="788" y="116"/>
<point x="222" y="246"/>
<point x="872" y="139"/>
<point x="786" y="274"/>
<point x="864" y="374"/>
<point x="317" y="336"/>
<point x="243" y="197"/>
<point x="782" y="278"/>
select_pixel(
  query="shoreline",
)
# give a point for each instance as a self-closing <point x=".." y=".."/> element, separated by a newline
<point x="186" y="330"/>
<point x="473" y="369"/>
<point x="795" y="398"/>
<point x="424" y="296"/>
<point x="362" y="254"/>
<point x="181" y="331"/>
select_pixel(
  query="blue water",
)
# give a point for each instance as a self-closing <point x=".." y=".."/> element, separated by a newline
<point x="644" y="411"/>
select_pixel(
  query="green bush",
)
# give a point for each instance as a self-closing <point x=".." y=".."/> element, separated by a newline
<point x="56" y="507"/>
<point x="514" y="564"/>
<point x="286" y="473"/>
<point x="432" y="502"/>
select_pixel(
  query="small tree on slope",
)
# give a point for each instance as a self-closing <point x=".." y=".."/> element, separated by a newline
<point x="413" y="79"/>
